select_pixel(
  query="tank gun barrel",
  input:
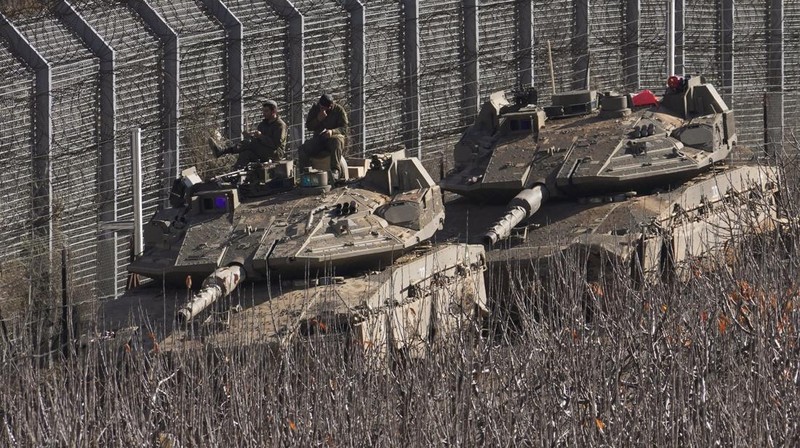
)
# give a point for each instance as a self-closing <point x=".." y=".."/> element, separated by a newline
<point x="523" y="206"/>
<point x="216" y="286"/>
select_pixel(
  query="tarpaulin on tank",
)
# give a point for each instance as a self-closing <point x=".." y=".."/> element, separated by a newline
<point x="645" y="98"/>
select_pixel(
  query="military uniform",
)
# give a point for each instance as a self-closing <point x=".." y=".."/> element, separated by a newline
<point x="270" y="145"/>
<point x="320" y="145"/>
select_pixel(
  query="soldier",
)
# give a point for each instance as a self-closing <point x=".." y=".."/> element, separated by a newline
<point x="328" y="121"/>
<point x="267" y="142"/>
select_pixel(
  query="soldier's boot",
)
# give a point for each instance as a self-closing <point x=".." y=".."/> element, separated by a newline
<point x="215" y="148"/>
<point x="217" y="144"/>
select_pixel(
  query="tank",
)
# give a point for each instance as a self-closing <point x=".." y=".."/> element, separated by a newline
<point x="641" y="181"/>
<point x="350" y="260"/>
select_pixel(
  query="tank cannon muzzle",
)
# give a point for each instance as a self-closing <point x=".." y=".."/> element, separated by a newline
<point x="216" y="286"/>
<point x="523" y="206"/>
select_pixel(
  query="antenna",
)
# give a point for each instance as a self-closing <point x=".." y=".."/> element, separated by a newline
<point x="588" y="65"/>
<point x="550" y="62"/>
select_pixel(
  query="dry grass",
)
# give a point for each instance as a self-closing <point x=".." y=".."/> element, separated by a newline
<point x="21" y="8"/>
<point x="681" y="364"/>
<point x="709" y="361"/>
<point x="14" y="285"/>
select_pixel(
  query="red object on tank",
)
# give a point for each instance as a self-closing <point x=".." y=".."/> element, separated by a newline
<point x="644" y="98"/>
<point x="674" y="82"/>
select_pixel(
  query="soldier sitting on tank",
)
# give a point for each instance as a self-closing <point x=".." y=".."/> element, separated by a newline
<point x="267" y="142"/>
<point x="328" y="121"/>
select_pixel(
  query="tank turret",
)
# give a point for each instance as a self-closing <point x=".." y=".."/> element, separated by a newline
<point x="621" y="183"/>
<point x="588" y="144"/>
<point x="254" y="222"/>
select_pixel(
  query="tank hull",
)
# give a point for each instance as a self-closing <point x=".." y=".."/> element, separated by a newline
<point x="424" y="295"/>
<point x="653" y="236"/>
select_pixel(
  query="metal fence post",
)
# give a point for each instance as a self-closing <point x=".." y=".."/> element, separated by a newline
<point x="471" y="66"/>
<point x="580" y="46"/>
<point x="171" y="89"/>
<point x="728" y="75"/>
<point x="411" y="105"/>
<point x="773" y="103"/>
<point x="136" y="171"/>
<point x="631" y="65"/>
<point x="670" y="38"/>
<point x="107" y="182"/>
<point x="358" y="24"/>
<point x="526" y="43"/>
<point x="67" y="318"/>
<point x="296" y="78"/>
<point x="680" y="40"/>
<point x="42" y="189"/>
<point x="234" y="35"/>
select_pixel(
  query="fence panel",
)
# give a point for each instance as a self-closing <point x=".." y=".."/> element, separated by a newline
<point x="750" y="67"/>
<point x="606" y="33"/>
<point x="553" y="23"/>
<point x="138" y="71"/>
<point x="75" y="150"/>
<point x="441" y="75"/>
<point x="791" y="67"/>
<point x="653" y="45"/>
<point x="327" y="46"/>
<point x="265" y="46"/>
<point x="498" y="46"/>
<point x="203" y="81"/>
<point x="16" y="128"/>
<point x="384" y="86"/>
